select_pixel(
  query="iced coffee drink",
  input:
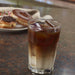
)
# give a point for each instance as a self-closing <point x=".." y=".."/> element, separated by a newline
<point x="43" y="36"/>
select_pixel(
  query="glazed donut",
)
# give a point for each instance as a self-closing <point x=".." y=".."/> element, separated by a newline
<point x="21" y="16"/>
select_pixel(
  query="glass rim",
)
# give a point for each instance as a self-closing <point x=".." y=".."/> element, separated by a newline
<point x="52" y="21"/>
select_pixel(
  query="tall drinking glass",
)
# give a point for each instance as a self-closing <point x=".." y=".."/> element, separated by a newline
<point x="43" y="35"/>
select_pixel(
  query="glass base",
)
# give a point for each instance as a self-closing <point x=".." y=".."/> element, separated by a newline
<point x="40" y="71"/>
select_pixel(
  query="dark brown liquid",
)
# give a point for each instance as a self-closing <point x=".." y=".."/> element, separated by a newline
<point x="44" y="38"/>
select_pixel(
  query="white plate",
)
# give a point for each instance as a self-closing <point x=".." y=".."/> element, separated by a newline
<point x="19" y="27"/>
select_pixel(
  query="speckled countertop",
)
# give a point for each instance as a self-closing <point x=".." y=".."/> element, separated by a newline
<point x="14" y="46"/>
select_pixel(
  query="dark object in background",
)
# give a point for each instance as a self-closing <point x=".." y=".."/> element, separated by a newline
<point x="72" y="1"/>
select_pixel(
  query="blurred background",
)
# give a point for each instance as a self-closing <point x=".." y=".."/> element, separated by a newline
<point x="45" y="6"/>
<point x="37" y="3"/>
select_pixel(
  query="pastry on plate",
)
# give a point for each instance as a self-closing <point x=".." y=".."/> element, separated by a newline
<point x="7" y="22"/>
<point x="21" y="16"/>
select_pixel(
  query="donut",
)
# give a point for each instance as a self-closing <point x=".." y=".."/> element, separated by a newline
<point x="21" y="16"/>
<point x="7" y="22"/>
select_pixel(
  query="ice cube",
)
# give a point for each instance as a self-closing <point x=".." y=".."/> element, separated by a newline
<point x="36" y="27"/>
<point x="49" y="23"/>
